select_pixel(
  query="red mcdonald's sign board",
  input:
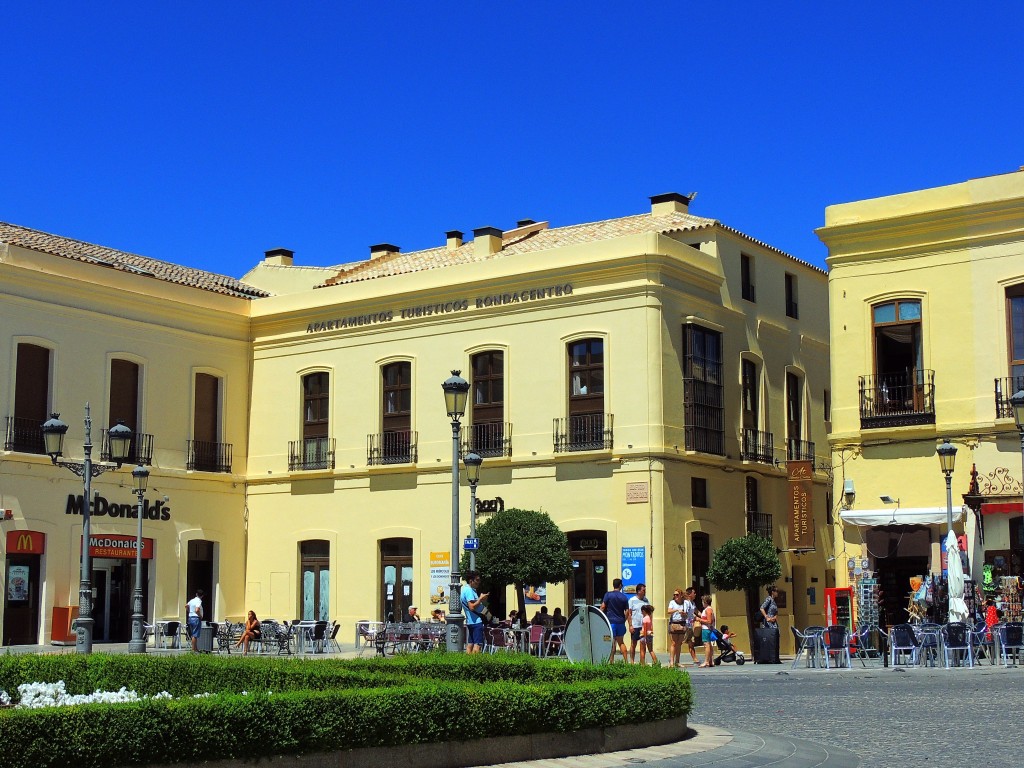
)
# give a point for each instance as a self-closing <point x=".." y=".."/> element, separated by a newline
<point x="26" y="542"/>
<point x="118" y="546"/>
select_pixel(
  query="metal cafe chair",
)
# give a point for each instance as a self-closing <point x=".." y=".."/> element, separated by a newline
<point x="807" y="642"/>
<point x="930" y="637"/>
<point x="836" y="642"/>
<point x="956" y="644"/>
<point x="1011" y="641"/>
<point x="903" y="643"/>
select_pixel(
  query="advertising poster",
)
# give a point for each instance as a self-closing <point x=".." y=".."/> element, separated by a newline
<point x="17" y="583"/>
<point x="633" y="568"/>
<point x="536" y="594"/>
<point x="440" y="577"/>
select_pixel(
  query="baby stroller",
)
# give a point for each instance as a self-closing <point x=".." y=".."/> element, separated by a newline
<point x="727" y="651"/>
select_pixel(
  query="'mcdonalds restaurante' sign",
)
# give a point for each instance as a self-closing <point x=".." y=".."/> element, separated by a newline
<point x="443" y="308"/>
<point x="101" y="507"/>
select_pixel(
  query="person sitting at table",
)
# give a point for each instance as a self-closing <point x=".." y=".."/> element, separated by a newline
<point x="557" y="619"/>
<point x="513" y="618"/>
<point x="412" y="615"/>
<point x="437" y="616"/>
<point x="541" y="618"/>
<point x="251" y="632"/>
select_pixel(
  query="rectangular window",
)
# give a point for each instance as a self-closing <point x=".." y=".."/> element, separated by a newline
<point x="826" y="400"/>
<point x="791" y="305"/>
<point x="586" y="428"/>
<point x="749" y="384"/>
<point x="488" y="434"/>
<point x="703" y="397"/>
<point x="747" y="277"/>
<point x="31" y="400"/>
<point x="1015" y="335"/>
<point x="206" y="419"/>
<point x="316" y="401"/>
<point x="397" y="443"/>
<point x="125" y="382"/>
<point x="757" y="522"/>
<point x="698" y="492"/>
<point x="794" y="407"/>
<point x="900" y="391"/>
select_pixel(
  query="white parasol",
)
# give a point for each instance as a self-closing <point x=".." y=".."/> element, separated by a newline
<point x="955" y="583"/>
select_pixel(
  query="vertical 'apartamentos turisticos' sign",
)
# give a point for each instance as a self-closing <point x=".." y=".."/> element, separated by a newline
<point x="801" y="521"/>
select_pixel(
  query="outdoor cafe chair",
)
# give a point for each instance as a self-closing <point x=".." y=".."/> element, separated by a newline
<point x="1011" y="641"/>
<point x="956" y="644"/>
<point x="903" y="643"/>
<point x="366" y="634"/>
<point x="808" y="643"/>
<point x="836" y="642"/>
<point x="497" y="639"/>
<point x="930" y="637"/>
<point x="985" y="642"/>
<point x="537" y="634"/>
<point x="331" y="642"/>
<point x="556" y="643"/>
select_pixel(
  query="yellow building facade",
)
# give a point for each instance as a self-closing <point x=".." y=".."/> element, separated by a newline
<point x="648" y="381"/>
<point x="926" y="297"/>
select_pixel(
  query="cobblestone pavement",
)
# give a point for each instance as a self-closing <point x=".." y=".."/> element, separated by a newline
<point x="887" y="717"/>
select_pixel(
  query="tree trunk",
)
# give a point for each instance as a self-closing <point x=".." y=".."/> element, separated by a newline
<point x="521" y="604"/>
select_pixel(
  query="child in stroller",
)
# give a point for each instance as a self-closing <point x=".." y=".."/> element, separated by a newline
<point x="723" y="639"/>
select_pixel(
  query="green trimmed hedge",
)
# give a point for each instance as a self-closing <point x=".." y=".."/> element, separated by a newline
<point x="300" y="706"/>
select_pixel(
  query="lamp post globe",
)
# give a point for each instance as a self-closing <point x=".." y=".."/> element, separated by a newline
<point x="140" y="479"/>
<point x="456" y="393"/>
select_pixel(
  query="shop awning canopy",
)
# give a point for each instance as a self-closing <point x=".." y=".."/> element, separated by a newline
<point x="900" y="516"/>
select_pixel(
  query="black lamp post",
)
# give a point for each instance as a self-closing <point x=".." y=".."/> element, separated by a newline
<point x="1017" y="403"/>
<point x="947" y="460"/>
<point x="456" y="393"/>
<point x="140" y="476"/>
<point x="472" y="462"/>
<point x="120" y="444"/>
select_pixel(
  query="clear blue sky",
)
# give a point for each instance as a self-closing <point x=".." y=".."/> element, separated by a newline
<point x="206" y="133"/>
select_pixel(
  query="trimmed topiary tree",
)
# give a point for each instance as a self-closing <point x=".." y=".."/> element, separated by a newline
<point x="521" y="547"/>
<point x="747" y="564"/>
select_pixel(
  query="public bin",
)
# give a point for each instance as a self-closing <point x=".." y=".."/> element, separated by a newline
<point x="204" y="644"/>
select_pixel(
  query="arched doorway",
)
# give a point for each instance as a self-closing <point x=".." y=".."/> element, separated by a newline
<point x="589" y="552"/>
<point x="396" y="593"/>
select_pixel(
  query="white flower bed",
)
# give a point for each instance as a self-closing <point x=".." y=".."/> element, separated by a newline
<point x="39" y="695"/>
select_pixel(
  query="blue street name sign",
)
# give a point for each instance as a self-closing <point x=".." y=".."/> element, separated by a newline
<point x="471" y="543"/>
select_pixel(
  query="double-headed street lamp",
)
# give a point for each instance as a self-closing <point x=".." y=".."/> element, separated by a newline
<point x="140" y="478"/>
<point x="120" y="438"/>
<point x="473" y="461"/>
<point x="456" y="393"/>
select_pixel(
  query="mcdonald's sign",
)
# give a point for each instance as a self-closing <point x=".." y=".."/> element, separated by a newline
<point x="26" y="543"/>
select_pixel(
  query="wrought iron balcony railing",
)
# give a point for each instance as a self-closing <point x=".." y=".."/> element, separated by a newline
<point x="799" y="450"/>
<point x="584" y="432"/>
<point x="204" y="456"/>
<point x="760" y="523"/>
<point x="140" y="452"/>
<point x="1005" y="389"/>
<point x="24" y="435"/>
<point x="704" y="414"/>
<point x="757" y="446"/>
<point x="310" y="453"/>
<point x="393" y="447"/>
<point x="897" y="399"/>
<point x="489" y="439"/>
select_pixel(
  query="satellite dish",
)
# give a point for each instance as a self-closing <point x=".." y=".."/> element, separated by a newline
<point x="588" y="636"/>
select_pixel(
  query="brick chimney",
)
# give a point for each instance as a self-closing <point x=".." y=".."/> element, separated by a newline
<point x="486" y="241"/>
<point x="280" y="256"/>
<point x="671" y="202"/>
<point x="383" y="249"/>
<point x="454" y="239"/>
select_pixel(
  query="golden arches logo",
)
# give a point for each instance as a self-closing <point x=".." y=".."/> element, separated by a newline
<point x="25" y="543"/>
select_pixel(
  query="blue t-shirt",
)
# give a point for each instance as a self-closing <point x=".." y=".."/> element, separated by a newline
<point x="615" y="604"/>
<point x="469" y="595"/>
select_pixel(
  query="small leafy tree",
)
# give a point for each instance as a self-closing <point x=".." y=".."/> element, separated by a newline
<point x="521" y="547"/>
<point x="747" y="564"/>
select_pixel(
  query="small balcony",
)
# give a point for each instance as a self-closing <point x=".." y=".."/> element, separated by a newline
<point x="393" y="447"/>
<point x="1005" y="389"/>
<point x="897" y="399"/>
<point x="799" y="450"/>
<point x="757" y="446"/>
<point x="488" y="440"/>
<point x="584" y="432"/>
<point x="24" y="435"/>
<point x="310" y="453"/>
<point x="141" y="451"/>
<point x="204" y="456"/>
<point x="760" y="523"/>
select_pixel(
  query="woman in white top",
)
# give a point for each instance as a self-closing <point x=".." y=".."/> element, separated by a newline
<point x="676" y="626"/>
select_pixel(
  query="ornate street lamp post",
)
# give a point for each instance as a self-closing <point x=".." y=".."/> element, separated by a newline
<point x="947" y="459"/>
<point x="1017" y="403"/>
<point x="456" y="392"/>
<point x="120" y="443"/>
<point x="140" y="476"/>
<point x="472" y="462"/>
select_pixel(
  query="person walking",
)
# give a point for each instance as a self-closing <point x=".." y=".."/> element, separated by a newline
<point x="647" y="634"/>
<point x="770" y="614"/>
<point x="636" y="619"/>
<point x="472" y="605"/>
<point x="707" y="626"/>
<point x="194" y="617"/>
<point x="615" y="605"/>
<point x="676" y="626"/>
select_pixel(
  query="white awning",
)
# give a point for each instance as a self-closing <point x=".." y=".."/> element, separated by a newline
<point x="900" y="516"/>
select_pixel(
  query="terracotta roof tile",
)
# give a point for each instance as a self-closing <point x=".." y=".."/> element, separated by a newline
<point x="126" y="262"/>
<point x="415" y="261"/>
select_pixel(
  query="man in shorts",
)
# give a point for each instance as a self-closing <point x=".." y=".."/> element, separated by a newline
<point x="615" y="605"/>
<point x="472" y="604"/>
<point x="194" y="617"/>
<point x="636" y="619"/>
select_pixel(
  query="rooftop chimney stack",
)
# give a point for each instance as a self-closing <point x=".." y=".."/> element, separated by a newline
<point x="383" y="249"/>
<point x="280" y="256"/>
<point x="524" y="223"/>
<point x="671" y="202"/>
<point x="486" y="241"/>
<point x="454" y="239"/>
